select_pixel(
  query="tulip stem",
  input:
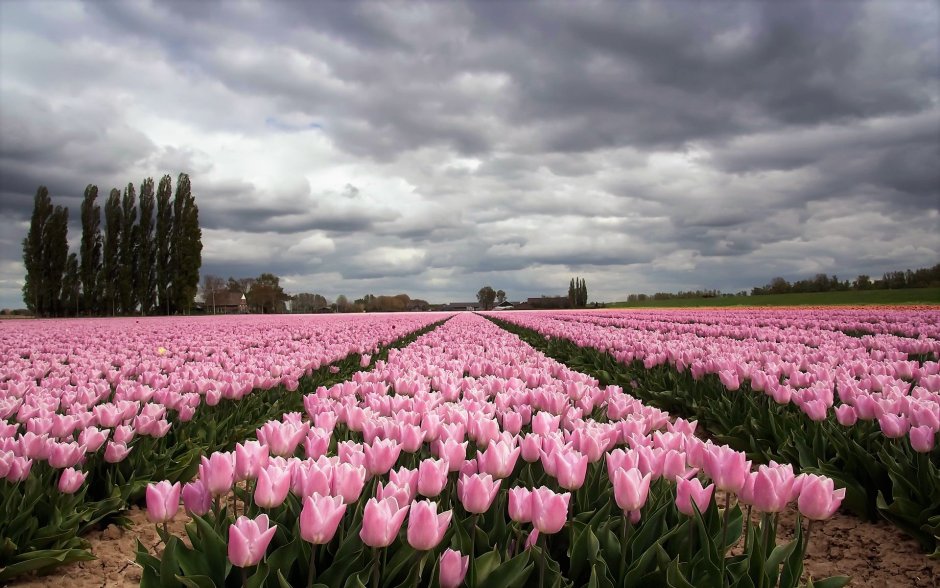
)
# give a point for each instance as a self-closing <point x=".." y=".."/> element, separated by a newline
<point x="375" y="567"/>
<point x="542" y="555"/>
<point x="747" y="526"/>
<point x="244" y="577"/>
<point x="312" y="572"/>
<point x="724" y="534"/>
<point x="627" y="528"/>
<point x="809" y="529"/>
<point x="473" y="547"/>
<point x="764" y="548"/>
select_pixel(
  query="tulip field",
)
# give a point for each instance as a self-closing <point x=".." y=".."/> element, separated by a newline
<point x="510" y="449"/>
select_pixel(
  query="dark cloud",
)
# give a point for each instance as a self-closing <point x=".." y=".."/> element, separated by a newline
<point x="433" y="147"/>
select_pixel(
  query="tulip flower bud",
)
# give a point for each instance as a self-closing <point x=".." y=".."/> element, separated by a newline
<point x="452" y="568"/>
<point x="248" y="540"/>
<point x="163" y="501"/>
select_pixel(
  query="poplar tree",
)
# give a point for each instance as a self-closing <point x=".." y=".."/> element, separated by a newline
<point x="55" y="256"/>
<point x="71" y="287"/>
<point x="91" y="251"/>
<point x="186" y="246"/>
<point x="111" y="257"/>
<point x="164" y="226"/>
<point x="146" y="250"/>
<point x="33" y="251"/>
<point x="128" y="251"/>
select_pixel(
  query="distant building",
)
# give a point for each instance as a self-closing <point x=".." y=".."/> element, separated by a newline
<point x="458" y="306"/>
<point x="543" y="302"/>
<point x="506" y="305"/>
<point x="227" y="303"/>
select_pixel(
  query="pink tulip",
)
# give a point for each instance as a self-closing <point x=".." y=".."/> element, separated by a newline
<point x="520" y="504"/>
<point x="123" y="434"/>
<point x="107" y="415"/>
<point x="893" y="426"/>
<point x="727" y="467"/>
<point x="65" y="455"/>
<point x="320" y="518"/>
<point x="405" y="478"/>
<point x="196" y="498"/>
<point x="70" y="480"/>
<point x="692" y="490"/>
<point x="381" y="521"/>
<point x="19" y="469"/>
<point x="401" y="494"/>
<point x="115" y="452"/>
<point x="570" y="469"/>
<point x="499" y="459"/>
<point x="281" y="438"/>
<point x="426" y="527"/>
<point x="92" y="439"/>
<point x="272" y="487"/>
<point x="453" y="452"/>
<point x="452" y="568"/>
<point x="163" y="501"/>
<point x="631" y="489"/>
<point x="531" y="446"/>
<point x="549" y="510"/>
<point x="317" y="442"/>
<point x="477" y="491"/>
<point x="381" y="455"/>
<point x="532" y="539"/>
<point x="250" y="458"/>
<point x="248" y="540"/>
<point x="544" y="423"/>
<point x="411" y="438"/>
<point x="818" y="500"/>
<point x="218" y="472"/>
<point x="772" y="487"/>
<point x="816" y="410"/>
<point x="845" y="414"/>
<point x="923" y="438"/>
<point x="432" y="477"/>
<point x="348" y="481"/>
<point x="310" y="476"/>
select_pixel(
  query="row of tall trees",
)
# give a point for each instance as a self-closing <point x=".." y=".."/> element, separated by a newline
<point x="894" y="280"/>
<point x="577" y="293"/>
<point x="144" y="260"/>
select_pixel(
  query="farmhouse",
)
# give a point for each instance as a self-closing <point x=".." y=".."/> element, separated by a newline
<point x="457" y="306"/>
<point x="227" y="303"/>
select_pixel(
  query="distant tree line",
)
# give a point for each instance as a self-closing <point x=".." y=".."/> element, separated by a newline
<point x="145" y="261"/>
<point x="895" y="280"/>
<point x="265" y="295"/>
<point x="683" y="295"/>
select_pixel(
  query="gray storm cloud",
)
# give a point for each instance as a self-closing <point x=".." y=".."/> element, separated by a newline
<point x="432" y="148"/>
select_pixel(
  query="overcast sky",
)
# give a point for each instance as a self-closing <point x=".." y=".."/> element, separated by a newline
<point x="434" y="148"/>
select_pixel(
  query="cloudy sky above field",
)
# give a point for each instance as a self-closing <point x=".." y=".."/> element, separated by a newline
<point x="434" y="148"/>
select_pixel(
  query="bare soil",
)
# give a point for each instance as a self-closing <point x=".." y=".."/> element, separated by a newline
<point x="874" y="555"/>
